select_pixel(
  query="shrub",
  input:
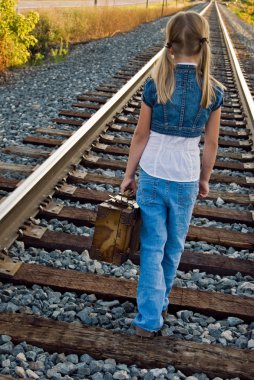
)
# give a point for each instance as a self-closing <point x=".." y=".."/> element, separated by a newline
<point x="15" y="38"/>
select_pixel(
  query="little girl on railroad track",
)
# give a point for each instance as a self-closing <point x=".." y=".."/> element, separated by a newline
<point x="179" y="101"/>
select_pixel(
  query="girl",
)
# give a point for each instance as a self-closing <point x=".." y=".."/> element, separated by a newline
<point x="177" y="102"/>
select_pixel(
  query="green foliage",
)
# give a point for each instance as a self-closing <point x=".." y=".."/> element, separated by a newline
<point x="48" y="37"/>
<point x="59" y="53"/>
<point x="244" y="10"/>
<point x="15" y="37"/>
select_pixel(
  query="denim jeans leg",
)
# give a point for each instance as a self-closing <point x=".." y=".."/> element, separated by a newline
<point x="151" y="286"/>
<point x="182" y="197"/>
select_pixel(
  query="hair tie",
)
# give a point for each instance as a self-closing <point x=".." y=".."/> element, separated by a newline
<point x="168" y="45"/>
<point x="202" y="40"/>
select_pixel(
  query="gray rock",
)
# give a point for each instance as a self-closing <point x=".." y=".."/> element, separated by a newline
<point x="84" y="316"/>
<point x="83" y="370"/>
<point x="158" y="372"/>
<point x="219" y="202"/>
<point x="251" y="343"/>
<point x="110" y="361"/>
<point x="21" y="357"/>
<point x="52" y="372"/>
<point x="247" y="286"/>
<point x="118" y="312"/>
<point x="121" y="375"/>
<point x="31" y="355"/>
<point x="31" y="374"/>
<point x="36" y="365"/>
<point x="6" y="348"/>
<point x="108" y="376"/>
<point x="128" y="307"/>
<point x="11" y="307"/>
<point x="123" y="367"/>
<point x="5" y="371"/>
<point x="234" y="321"/>
<point x="95" y="366"/>
<point x="185" y="315"/>
<point x="86" y="358"/>
<point x="6" y="363"/>
<point x="216" y="333"/>
<point x="227" y="334"/>
<point x="109" y="303"/>
<point x="97" y="376"/>
<point x="73" y="358"/>
<point x="65" y="368"/>
<point x="4" y="339"/>
<point x="20" y="372"/>
<point x="109" y="367"/>
<point x="241" y="342"/>
<point x="201" y="376"/>
<point x="91" y="298"/>
<point x="149" y="376"/>
<point x="181" y="330"/>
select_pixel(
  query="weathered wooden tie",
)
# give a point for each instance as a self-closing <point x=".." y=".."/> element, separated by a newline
<point x="57" y="336"/>
<point x="19" y="168"/>
<point x="42" y="141"/>
<point x="41" y="237"/>
<point x="215" y="303"/>
<point x="25" y="151"/>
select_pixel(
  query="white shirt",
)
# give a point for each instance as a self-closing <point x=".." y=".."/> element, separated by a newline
<point x="173" y="158"/>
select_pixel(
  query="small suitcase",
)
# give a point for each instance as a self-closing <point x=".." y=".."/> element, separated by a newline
<point x="116" y="233"/>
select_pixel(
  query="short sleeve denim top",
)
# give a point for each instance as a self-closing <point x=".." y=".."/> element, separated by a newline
<point x="183" y="115"/>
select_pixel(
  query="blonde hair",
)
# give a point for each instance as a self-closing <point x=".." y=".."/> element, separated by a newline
<point x="188" y="35"/>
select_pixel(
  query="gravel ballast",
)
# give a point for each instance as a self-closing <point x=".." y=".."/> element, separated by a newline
<point x="114" y="315"/>
<point x="24" y="360"/>
<point x="193" y="279"/>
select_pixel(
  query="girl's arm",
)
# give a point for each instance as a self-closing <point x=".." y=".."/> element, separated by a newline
<point x="138" y="143"/>
<point x="209" y="151"/>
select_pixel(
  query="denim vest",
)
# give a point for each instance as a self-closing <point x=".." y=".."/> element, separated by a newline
<point x="182" y="115"/>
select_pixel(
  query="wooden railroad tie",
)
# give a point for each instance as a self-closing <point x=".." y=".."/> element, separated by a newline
<point x="217" y="304"/>
<point x="189" y="357"/>
<point x="76" y="193"/>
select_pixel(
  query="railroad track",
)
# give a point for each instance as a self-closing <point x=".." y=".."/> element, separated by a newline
<point x="86" y="168"/>
<point x="244" y="56"/>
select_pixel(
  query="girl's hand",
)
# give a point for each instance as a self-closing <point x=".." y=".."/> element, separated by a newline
<point x="203" y="189"/>
<point x="128" y="183"/>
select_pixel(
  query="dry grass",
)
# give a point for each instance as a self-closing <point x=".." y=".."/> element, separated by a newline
<point x="88" y="23"/>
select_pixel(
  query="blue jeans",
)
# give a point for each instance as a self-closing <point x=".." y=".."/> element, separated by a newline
<point x="166" y="208"/>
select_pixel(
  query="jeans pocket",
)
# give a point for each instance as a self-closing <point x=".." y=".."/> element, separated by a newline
<point x="187" y="193"/>
<point x="146" y="193"/>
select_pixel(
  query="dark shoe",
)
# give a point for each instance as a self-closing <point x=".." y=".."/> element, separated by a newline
<point x="145" y="333"/>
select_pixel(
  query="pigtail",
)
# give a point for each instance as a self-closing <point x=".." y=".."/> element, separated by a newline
<point x="208" y="93"/>
<point x="163" y="75"/>
<point x="209" y="82"/>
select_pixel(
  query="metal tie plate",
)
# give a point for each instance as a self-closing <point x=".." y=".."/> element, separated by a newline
<point x="248" y="165"/>
<point x="70" y="189"/>
<point x="8" y="267"/>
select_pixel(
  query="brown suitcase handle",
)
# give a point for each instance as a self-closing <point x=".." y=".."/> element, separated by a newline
<point x="119" y="199"/>
<point x="128" y="194"/>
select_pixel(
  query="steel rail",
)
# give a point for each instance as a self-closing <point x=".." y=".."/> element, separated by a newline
<point x="245" y="93"/>
<point x="23" y="202"/>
